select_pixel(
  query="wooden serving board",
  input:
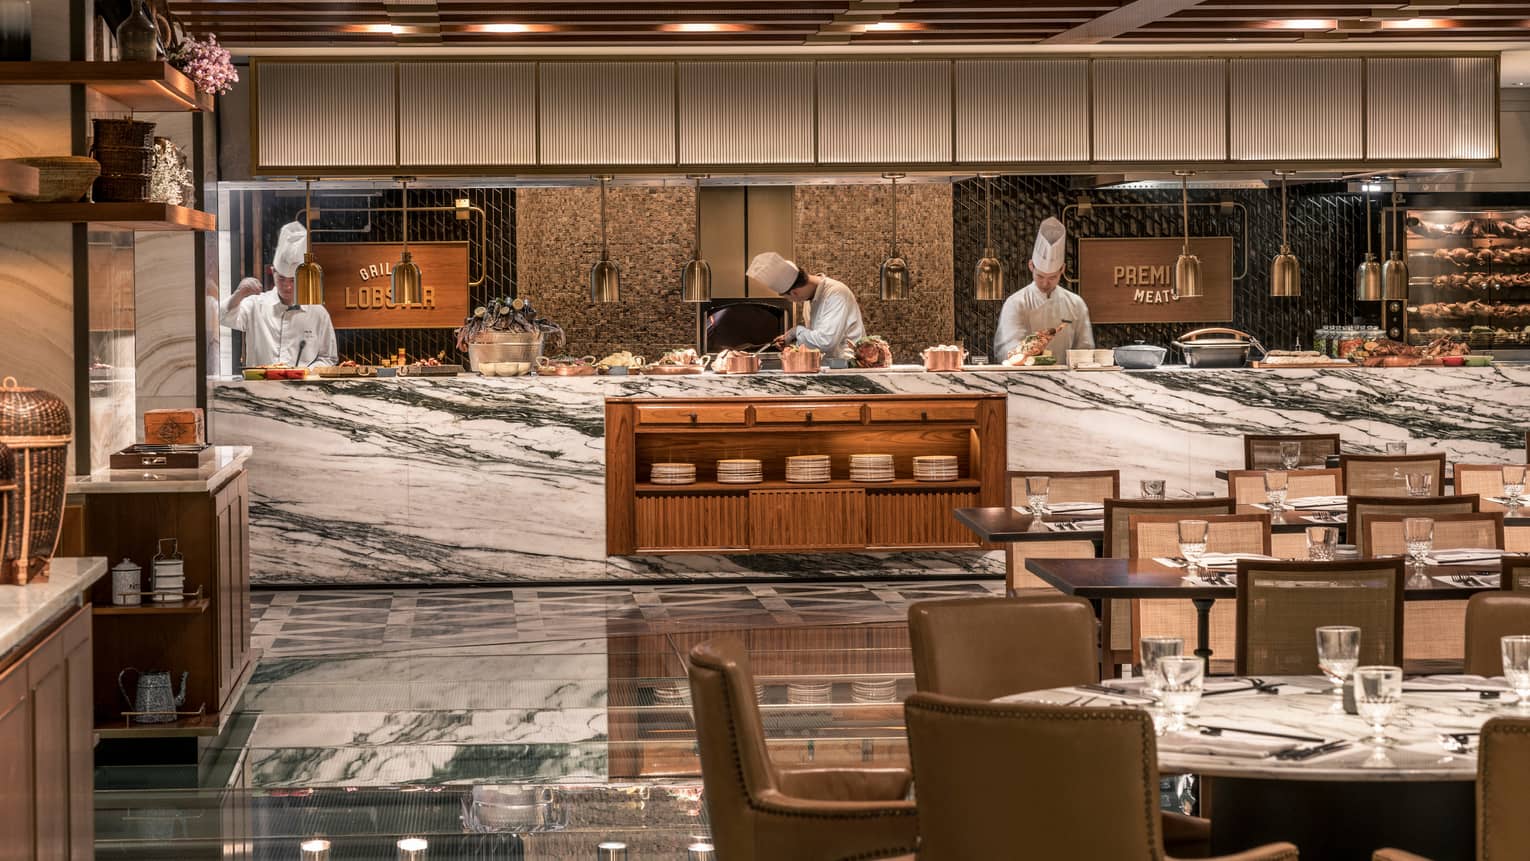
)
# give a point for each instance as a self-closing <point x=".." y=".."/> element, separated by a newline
<point x="1300" y="365"/>
<point x="673" y="369"/>
<point x="430" y="370"/>
<point x="1057" y="367"/>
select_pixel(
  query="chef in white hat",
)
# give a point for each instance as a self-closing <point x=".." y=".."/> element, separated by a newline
<point x="1045" y="303"/>
<point x="834" y="316"/>
<point x="276" y="330"/>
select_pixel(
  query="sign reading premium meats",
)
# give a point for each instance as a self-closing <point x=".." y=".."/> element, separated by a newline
<point x="358" y="284"/>
<point x="1132" y="280"/>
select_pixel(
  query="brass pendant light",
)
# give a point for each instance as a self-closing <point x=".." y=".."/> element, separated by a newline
<point x="988" y="277"/>
<point x="1394" y="274"/>
<point x="1368" y="276"/>
<point x="894" y="274"/>
<point x="696" y="277"/>
<point x="605" y="276"/>
<point x="310" y="275"/>
<point x="1285" y="271"/>
<point x="408" y="288"/>
<point x="1187" y="270"/>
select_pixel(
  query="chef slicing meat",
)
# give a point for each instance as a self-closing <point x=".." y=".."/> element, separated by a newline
<point x="1044" y="304"/>
<point x="834" y="315"/>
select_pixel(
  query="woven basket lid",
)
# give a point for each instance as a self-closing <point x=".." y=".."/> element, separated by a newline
<point x="28" y="411"/>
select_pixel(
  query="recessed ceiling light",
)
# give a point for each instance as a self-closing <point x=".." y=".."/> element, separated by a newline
<point x="511" y="28"/>
<point x="888" y="26"/>
<point x="1419" y="23"/>
<point x="702" y="27"/>
<point x="390" y="29"/>
<point x="1302" y="24"/>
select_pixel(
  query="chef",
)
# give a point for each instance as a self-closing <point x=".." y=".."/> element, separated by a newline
<point x="834" y="315"/>
<point x="276" y="330"/>
<point x="1044" y="303"/>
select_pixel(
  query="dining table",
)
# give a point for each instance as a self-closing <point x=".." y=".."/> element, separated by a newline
<point x="1281" y="760"/>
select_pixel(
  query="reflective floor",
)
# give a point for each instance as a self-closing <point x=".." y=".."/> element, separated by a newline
<point x="512" y="723"/>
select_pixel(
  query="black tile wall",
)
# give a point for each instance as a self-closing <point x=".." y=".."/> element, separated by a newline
<point x="1327" y="236"/>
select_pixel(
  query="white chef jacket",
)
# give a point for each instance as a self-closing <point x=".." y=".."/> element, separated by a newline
<point x="1027" y="312"/>
<point x="834" y="321"/>
<point x="274" y="333"/>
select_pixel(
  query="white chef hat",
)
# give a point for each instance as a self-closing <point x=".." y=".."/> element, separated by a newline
<point x="773" y="270"/>
<point x="289" y="250"/>
<point x="1048" y="255"/>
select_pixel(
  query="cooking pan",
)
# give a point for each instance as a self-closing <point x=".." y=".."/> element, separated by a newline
<point x="1203" y="350"/>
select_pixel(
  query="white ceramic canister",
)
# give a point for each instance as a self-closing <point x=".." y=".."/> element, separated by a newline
<point x="127" y="584"/>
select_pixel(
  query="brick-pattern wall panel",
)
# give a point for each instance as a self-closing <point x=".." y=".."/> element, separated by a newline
<point x="1327" y="236"/>
<point x="649" y="232"/>
<point x="844" y="232"/>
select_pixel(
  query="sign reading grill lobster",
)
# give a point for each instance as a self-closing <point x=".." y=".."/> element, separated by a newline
<point x="358" y="284"/>
<point x="1132" y="280"/>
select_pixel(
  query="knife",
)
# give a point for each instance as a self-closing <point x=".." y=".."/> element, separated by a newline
<point x="1315" y="750"/>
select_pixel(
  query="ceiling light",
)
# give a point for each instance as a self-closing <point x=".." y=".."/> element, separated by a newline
<point x="407" y="282"/>
<point x="1419" y="23"/>
<point x="894" y="275"/>
<point x="1187" y="269"/>
<point x="605" y="275"/>
<point x="389" y="29"/>
<point x="1303" y="24"/>
<point x="511" y="28"/>
<point x="702" y="27"/>
<point x="892" y="26"/>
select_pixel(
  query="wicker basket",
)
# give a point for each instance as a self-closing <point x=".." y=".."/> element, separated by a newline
<point x="7" y="499"/>
<point x="35" y="426"/>
<point x="493" y="347"/>
<point x="123" y="133"/>
<point x="122" y="189"/>
<point x="124" y="160"/>
<point x="60" y="179"/>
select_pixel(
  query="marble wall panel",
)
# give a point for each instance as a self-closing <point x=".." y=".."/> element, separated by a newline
<point x="167" y="290"/>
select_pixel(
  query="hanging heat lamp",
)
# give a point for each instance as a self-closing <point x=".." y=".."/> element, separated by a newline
<point x="894" y="273"/>
<point x="408" y="288"/>
<point x="1187" y="270"/>
<point x="1368" y="276"/>
<point x="988" y="278"/>
<point x="605" y="276"/>
<point x="1394" y="274"/>
<point x="310" y="275"/>
<point x="696" y="277"/>
<point x="1285" y="271"/>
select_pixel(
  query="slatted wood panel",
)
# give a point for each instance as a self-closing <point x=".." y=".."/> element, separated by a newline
<point x="807" y="519"/>
<point x="905" y="519"/>
<point x="672" y="522"/>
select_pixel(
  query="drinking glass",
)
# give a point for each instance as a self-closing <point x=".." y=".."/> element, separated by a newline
<point x="1037" y="487"/>
<point x="1321" y="541"/>
<point x="1180" y="679"/>
<point x="1290" y="454"/>
<point x="1153" y="650"/>
<point x="1513" y="484"/>
<point x="1192" y="542"/>
<point x="1418" y="533"/>
<point x="1152" y="488"/>
<point x="1419" y="483"/>
<point x="1275" y="489"/>
<point x="1516" y="667"/>
<point x="1397" y="448"/>
<point x="1338" y="649"/>
<point x="1378" y="691"/>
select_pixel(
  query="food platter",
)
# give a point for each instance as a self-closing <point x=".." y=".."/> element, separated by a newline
<point x="670" y="369"/>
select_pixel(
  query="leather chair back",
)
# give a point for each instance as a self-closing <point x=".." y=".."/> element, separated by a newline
<point x="1362" y="508"/>
<point x="1384" y="532"/>
<point x="1491" y="616"/>
<point x="735" y="765"/>
<point x="1281" y="605"/>
<point x="1090" y="486"/>
<point x="1382" y="474"/>
<point x="1262" y="451"/>
<point x="1503" y="789"/>
<point x="1246" y="486"/>
<point x="982" y="648"/>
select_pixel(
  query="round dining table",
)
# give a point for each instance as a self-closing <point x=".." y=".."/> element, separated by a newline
<point x="1248" y="745"/>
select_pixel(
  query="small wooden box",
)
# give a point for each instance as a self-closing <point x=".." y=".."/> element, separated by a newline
<point x="174" y="427"/>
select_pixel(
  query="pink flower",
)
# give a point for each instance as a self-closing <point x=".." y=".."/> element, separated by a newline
<point x="207" y="64"/>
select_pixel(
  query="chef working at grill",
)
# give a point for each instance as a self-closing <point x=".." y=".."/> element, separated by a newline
<point x="834" y="315"/>
<point x="1044" y="304"/>
<point x="277" y="331"/>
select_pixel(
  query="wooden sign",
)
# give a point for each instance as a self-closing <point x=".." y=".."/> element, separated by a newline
<point x="1132" y="280"/>
<point x="358" y="284"/>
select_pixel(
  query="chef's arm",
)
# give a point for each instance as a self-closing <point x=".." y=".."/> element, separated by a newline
<point x="1010" y="332"/>
<point x="1083" y="333"/>
<point x="327" y="352"/>
<point x="829" y="325"/>
<point x="229" y="313"/>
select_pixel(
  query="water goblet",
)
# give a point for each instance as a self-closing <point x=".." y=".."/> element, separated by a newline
<point x="1181" y="681"/>
<point x="1321" y="541"/>
<point x="1418" y="534"/>
<point x="1152" y="488"/>
<point x="1153" y="650"/>
<point x="1378" y="692"/>
<point x="1338" y="651"/>
<point x="1513" y="484"/>
<point x="1037" y="488"/>
<point x="1275" y="484"/>
<point x="1419" y="483"/>
<point x="1192" y="542"/>
<point x="1290" y="455"/>
<point x="1516" y="667"/>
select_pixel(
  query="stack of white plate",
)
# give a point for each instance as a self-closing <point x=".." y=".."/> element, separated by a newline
<point x="874" y="691"/>
<point x="740" y="471"/>
<point x="672" y="694"/>
<point x="809" y="693"/>
<point x="169" y="586"/>
<point x="937" y="467"/>
<point x="674" y="473"/>
<point x="807" y="468"/>
<point x="871" y="467"/>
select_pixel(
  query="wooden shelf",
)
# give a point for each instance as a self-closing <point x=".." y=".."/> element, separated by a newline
<point x="111" y="216"/>
<point x="185" y="608"/>
<point x="156" y="86"/>
<point x="209" y="723"/>
<point x="837" y="484"/>
<point x="18" y="178"/>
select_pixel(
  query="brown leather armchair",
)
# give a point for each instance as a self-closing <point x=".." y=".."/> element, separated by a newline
<point x="983" y="648"/>
<point x="761" y="811"/>
<point x="1503" y="793"/>
<point x="1490" y="616"/>
<point x="1002" y="780"/>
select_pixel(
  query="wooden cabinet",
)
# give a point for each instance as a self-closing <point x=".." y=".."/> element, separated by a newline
<point x="47" y="774"/>
<point x="775" y="515"/>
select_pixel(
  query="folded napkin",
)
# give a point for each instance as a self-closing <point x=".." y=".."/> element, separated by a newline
<point x="1337" y="517"/>
<point x="1464" y="555"/>
<point x="1227" y="579"/>
<point x="1075" y="507"/>
<point x="1215" y="561"/>
<point x="1448" y="683"/>
<point x="1213" y="685"/>
<point x="1481" y="580"/>
<point x="1504" y="500"/>
<point x="1319" y="502"/>
<point x="1076" y="525"/>
<point x="1194" y="743"/>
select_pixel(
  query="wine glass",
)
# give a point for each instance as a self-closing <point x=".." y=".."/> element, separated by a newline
<point x="1181" y="680"/>
<point x="1418" y="533"/>
<point x="1192" y="542"/>
<point x="1275" y="484"/>
<point x="1152" y="488"/>
<point x="1419" y="483"/>
<point x="1321" y="541"/>
<point x="1290" y="454"/>
<point x="1378" y="691"/>
<point x="1516" y="667"/>
<point x="1153" y="650"/>
<point x="1037" y="488"/>
<point x="1338" y="650"/>
<point x="1397" y="447"/>
<point x="1513" y="484"/>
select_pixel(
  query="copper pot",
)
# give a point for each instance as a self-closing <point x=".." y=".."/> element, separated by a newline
<point x="943" y="360"/>
<point x="801" y="361"/>
<point x="742" y="363"/>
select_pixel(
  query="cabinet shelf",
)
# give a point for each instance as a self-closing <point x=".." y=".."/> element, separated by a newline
<point x="111" y="216"/>
<point x="836" y="484"/>
<point x="187" y="608"/>
<point x="151" y="86"/>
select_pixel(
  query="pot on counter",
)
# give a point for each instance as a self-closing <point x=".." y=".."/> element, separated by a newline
<point x="1139" y="356"/>
<point x="1203" y="351"/>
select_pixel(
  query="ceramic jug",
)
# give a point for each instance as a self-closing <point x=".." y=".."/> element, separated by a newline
<point x="156" y="700"/>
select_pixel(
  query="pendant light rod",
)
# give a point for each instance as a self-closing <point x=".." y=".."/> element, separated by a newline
<point x="1284" y="218"/>
<point x="894" y="177"/>
<point x="1184" y="199"/>
<point x="404" y="197"/>
<point x="988" y="211"/>
<point x="696" y="248"/>
<point x="603" y="248"/>
<point x="1368" y="225"/>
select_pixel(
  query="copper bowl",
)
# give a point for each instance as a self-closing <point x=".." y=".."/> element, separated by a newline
<point x="801" y="361"/>
<point x="944" y="360"/>
<point x="742" y="363"/>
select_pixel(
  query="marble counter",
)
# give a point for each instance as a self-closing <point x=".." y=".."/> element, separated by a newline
<point x="493" y="480"/>
<point x="225" y="462"/>
<point x="26" y="610"/>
